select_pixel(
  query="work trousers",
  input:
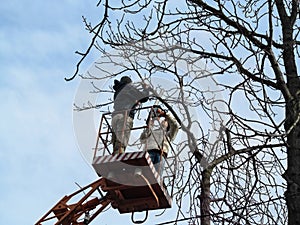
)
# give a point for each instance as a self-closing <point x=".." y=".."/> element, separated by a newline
<point x="121" y="128"/>
<point x="157" y="159"/>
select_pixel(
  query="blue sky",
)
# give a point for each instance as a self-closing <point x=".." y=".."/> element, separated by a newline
<point x="39" y="156"/>
<point x="40" y="160"/>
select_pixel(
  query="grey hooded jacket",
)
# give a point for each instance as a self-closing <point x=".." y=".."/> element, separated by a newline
<point x="159" y="138"/>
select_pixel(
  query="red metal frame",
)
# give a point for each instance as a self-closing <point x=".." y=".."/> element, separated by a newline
<point x="132" y="182"/>
<point x="65" y="214"/>
<point x="104" y="132"/>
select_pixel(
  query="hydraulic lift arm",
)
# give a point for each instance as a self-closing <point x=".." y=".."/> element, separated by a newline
<point x="78" y="213"/>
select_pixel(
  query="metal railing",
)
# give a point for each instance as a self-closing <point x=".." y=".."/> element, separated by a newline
<point x="104" y="143"/>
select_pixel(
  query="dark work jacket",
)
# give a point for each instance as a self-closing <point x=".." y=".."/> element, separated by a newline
<point x="127" y="97"/>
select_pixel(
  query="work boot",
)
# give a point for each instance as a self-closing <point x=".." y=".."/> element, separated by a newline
<point x="119" y="150"/>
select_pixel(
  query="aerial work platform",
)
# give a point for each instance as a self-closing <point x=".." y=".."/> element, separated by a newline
<point x="130" y="178"/>
<point x="132" y="182"/>
<point x="128" y="182"/>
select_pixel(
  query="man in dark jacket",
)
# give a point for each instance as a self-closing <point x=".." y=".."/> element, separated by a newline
<point x="127" y="97"/>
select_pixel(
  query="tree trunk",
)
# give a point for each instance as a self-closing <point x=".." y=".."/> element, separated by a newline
<point x="292" y="174"/>
<point x="205" y="196"/>
<point x="292" y="126"/>
<point x="293" y="177"/>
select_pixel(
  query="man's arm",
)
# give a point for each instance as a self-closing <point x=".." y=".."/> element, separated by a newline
<point x="173" y="126"/>
<point x="144" y="135"/>
<point x="141" y="96"/>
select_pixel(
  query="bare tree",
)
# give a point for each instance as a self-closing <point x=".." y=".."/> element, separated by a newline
<point x="250" y="49"/>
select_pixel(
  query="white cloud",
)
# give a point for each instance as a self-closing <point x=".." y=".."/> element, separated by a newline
<point x="38" y="152"/>
<point x="39" y="158"/>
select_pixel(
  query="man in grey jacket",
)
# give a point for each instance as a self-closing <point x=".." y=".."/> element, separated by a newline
<point x="161" y="131"/>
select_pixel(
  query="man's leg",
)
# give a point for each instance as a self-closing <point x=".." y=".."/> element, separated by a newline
<point x="121" y="126"/>
<point x="155" y="158"/>
<point x="117" y="128"/>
